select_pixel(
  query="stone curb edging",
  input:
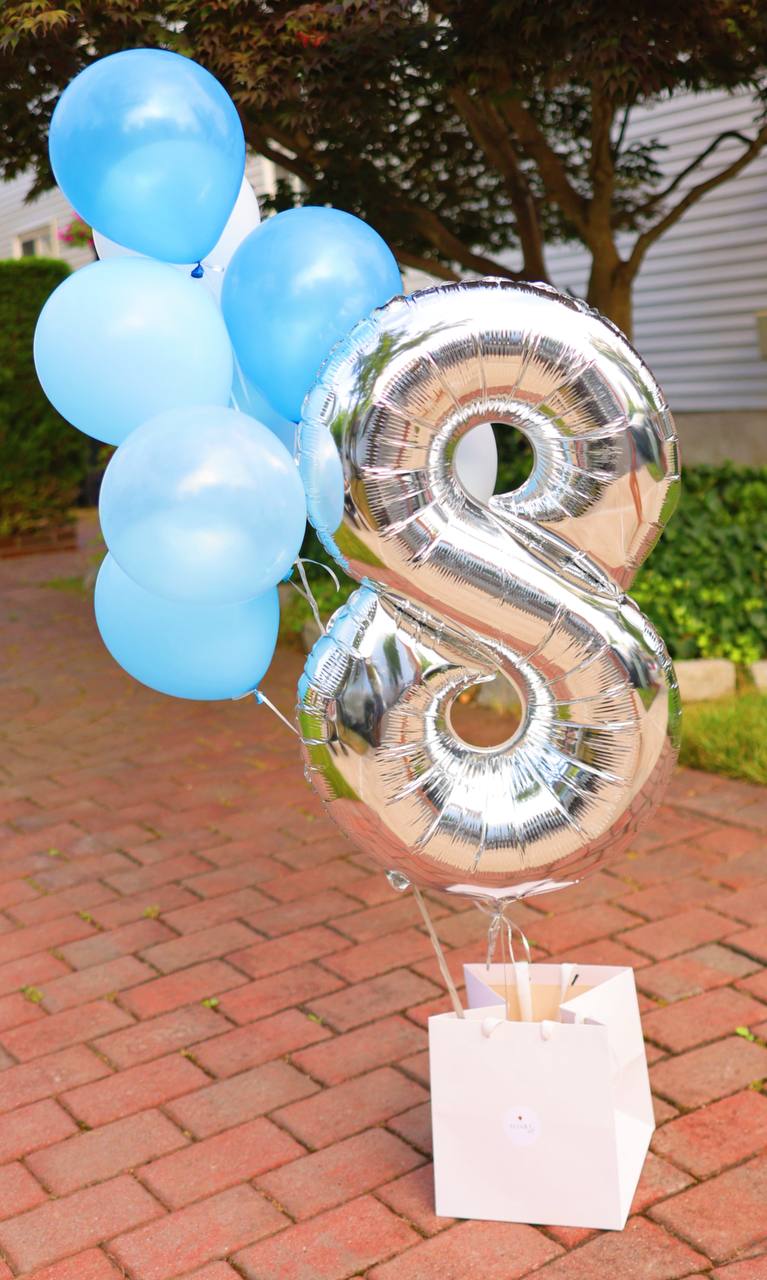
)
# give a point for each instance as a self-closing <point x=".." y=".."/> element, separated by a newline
<point x="759" y="674"/>
<point x="703" y="678"/>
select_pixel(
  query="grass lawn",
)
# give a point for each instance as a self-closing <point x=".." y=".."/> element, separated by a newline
<point x="727" y="736"/>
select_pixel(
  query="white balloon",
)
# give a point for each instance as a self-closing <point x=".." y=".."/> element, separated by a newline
<point x="476" y="462"/>
<point x="106" y="248"/>
<point x="243" y="219"/>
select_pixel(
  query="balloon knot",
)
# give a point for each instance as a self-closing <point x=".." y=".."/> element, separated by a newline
<point x="197" y="272"/>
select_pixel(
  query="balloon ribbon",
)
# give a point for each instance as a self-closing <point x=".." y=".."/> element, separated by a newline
<point x="439" y="953"/>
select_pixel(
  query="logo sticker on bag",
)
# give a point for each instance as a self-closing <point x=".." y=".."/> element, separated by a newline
<point x="522" y="1126"/>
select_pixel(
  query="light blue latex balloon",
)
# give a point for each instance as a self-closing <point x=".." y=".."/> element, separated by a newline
<point x="322" y="473"/>
<point x="247" y="397"/>
<point x="186" y="650"/>
<point x="203" y="505"/>
<point x="123" y="340"/>
<point x="296" y="285"/>
<point x="148" y="148"/>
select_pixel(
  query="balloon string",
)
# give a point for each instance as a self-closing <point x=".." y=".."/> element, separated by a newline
<point x="492" y="938"/>
<point x="501" y="925"/>
<point x="309" y="595"/>
<point x="506" y="943"/>
<point x="439" y="953"/>
<point x="321" y="564"/>
<point x="262" y="700"/>
<point x="501" y="920"/>
<point x="311" y="603"/>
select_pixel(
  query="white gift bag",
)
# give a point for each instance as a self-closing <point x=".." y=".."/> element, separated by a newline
<point x="544" y="1116"/>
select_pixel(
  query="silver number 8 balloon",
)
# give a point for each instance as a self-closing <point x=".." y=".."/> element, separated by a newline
<point x="454" y="591"/>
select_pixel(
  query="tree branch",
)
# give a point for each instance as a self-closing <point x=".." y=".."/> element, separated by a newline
<point x="550" y="165"/>
<point x="433" y="229"/>
<point x="601" y="167"/>
<point x="304" y="168"/>
<point x="431" y="266"/>
<point x="491" y="134"/>
<point x="648" y="237"/>
<point x="680" y="177"/>
<point x="622" y="131"/>
<point x="304" y="161"/>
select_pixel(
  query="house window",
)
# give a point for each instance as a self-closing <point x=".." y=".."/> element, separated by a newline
<point x="269" y="174"/>
<point x="37" y="242"/>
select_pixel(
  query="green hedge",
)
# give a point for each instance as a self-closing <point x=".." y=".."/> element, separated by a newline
<point x="705" y="584"/>
<point x="42" y="458"/>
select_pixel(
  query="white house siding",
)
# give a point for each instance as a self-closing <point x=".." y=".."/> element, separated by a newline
<point x="702" y="284"/>
<point x="19" y="219"/>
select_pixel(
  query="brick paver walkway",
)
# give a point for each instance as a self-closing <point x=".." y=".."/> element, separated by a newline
<point x="213" y="1010"/>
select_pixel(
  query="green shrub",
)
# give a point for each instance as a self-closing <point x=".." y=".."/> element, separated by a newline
<point x="705" y="584"/>
<point x="42" y="458"/>
<point x="515" y="459"/>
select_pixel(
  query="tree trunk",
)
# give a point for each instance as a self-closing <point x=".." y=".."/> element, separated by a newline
<point x="610" y="286"/>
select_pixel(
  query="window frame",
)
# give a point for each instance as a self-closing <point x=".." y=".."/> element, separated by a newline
<point x="36" y="231"/>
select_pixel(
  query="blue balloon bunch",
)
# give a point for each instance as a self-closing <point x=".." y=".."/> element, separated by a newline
<point x="202" y="505"/>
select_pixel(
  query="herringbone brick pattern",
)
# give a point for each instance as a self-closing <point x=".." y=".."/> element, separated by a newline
<point x="212" y="1009"/>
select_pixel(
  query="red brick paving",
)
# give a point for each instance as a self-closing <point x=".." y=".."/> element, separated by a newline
<point x="98" y="1154"/>
<point x="341" y="1242"/>
<point x="90" y="1265"/>
<point x="340" y="1172"/>
<point x="727" y="1132"/>
<point x="469" y="1249"/>
<point x="212" y="1008"/>
<point x="224" y="1160"/>
<point x="723" y="1216"/>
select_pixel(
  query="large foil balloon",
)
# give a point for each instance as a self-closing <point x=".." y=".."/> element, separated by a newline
<point x="529" y="585"/>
